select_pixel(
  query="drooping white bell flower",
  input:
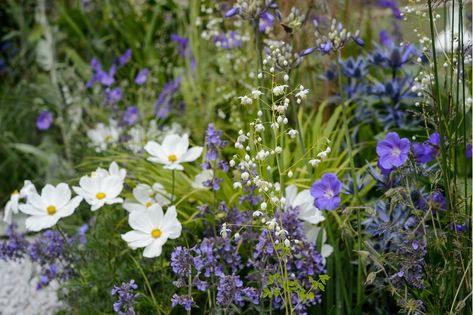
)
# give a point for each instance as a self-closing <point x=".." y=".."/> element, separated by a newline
<point x="151" y="229"/>
<point x="12" y="205"/>
<point x="172" y="152"/>
<point x="147" y="196"/>
<point x="304" y="202"/>
<point x="314" y="233"/>
<point x="100" y="188"/>
<point x="46" y="209"/>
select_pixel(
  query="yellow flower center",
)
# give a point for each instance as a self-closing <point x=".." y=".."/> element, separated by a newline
<point x="149" y="204"/>
<point x="155" y="233"/>
<point x="14" y="193"/>
<point x="51" y="210"/>
<point x="172" y="158"/>
<point x="100" y="195"/>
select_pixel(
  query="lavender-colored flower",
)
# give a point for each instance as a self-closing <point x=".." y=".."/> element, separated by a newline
<point x="113" y="96"/>
<point x="459" y="227"/>
<point x="229" y="291"/>
<point x="392" y="151"/>
<point x="185" y="301"/>
<point x="391" y="4"/>
<point x="266" y="21"/>
<point x="123" y="59"/>
<point x="385" y="39"/>
<point x="181" y="261"/>
<point x="163" y="105"/>
<point x="126" y="298"/>
<point x="44" y="120"/>
<point x="232" y="12"/>
<point x="213" y="143"/>
<point x="131" y="115"/>
<point x="326" y="192"/>
<point x="306" y="51"/>
<point x="228" y="40"/>
<point x="141" y="76"/>
<point x="182" y="44"/>
<point x="15" y="246"/>
<point x="438" y="200"/>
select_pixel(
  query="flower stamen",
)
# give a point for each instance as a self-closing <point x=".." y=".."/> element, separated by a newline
<point x="172" y="158"/>
<point x="51" y="210"/>
<point x="100" y="195"/>
<point x="155" y="233"/>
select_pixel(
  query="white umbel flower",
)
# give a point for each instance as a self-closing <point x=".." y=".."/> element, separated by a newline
<point x="151" y="229"/>
<point x="304" y="202"/>
<point x="46" y="209"/>
<point x="100" y="188"/>
<point x="12" y="205"/>
<point x="147" y="196"/>
<point x="172" y="152"/>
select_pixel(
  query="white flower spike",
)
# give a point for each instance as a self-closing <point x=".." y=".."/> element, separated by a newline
<point x="46" y="209"/>
<point x="151" y="229"/>
<point x="172" y="152"/>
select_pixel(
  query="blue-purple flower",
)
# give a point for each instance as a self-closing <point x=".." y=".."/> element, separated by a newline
<point x="326" y="192"/>
<point x="126" y="298"/>
<point x="44" y="120"/>
<point x="131" y="115"/>
<point x="427" y="151"/>
<point x="141" y="76"/>
<point x="123" y="59"/>
<point x="392" y="151"/>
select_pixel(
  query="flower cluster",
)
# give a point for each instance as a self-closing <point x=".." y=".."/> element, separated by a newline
<point x="126" y="298"/>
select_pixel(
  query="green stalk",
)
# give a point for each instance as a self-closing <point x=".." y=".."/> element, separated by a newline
<point x="438" y="100"/>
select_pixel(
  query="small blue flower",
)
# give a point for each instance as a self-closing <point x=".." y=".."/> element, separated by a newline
<point x="326" y="192"/>
<point x="44" y="120"/>
<point x="141" y="76"/>
<point x="392" y="151"/>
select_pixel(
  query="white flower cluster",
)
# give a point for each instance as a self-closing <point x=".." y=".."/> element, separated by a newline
<point x="320" y="157"/>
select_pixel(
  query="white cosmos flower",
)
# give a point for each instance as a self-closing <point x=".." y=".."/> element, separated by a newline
<point x="12" y="205"/>
<point x="314" y="233"/>
<point x="172" y="152"/>
<point x="147" y="196"/>
<point x="46" y="209"/>
<point x="102" y="135"/>
<point x="304" y="202"/>
<point x="151" y="229"/>
<point x="202" y="177"/>
<point x="100" y="188"/>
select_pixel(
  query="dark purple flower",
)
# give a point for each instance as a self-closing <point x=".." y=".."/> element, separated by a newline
<point x="266" y="21"/>
<point x="123" y="59"/>
<point x="126" y="298"/>
<point x="392" y="151"/>
<point x="358" y="41"/>
<point x="468" y="151"/>
<point x="107" y="78"/>
<point x="459" y="227"/>
<point x="163" y="105"/>
<point x="391" y="4"/>
<point x="15" y="246"/>
<point x="428" y="150"/>
<point x="182" y="43"/>
<point x="326" y="192"/>
<point x="44" y="120"/>
<point x="131" y="115"/>
<point x="438" y="200"/>
<point x="326" y="48"/>
<point x="141" y="76"/>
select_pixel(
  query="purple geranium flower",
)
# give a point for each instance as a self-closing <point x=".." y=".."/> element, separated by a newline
<point x="131" y="114"/>
<point x="326" y="192"/>
<point x="44" y="120"/>
<point x="392" y="151"/>
<point x="428" y="150"/>
<point x="141" y="76"/>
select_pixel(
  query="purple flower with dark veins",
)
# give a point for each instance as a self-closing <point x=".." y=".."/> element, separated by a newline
<point x="326" y="192"/>
<point x="44" y="120"/>
<point x="392" y="151"/>
<point x="141" y="76"/>
<point x="131" y="115"/>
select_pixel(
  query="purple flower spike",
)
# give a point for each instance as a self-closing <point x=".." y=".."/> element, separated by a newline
<point x="232" y="12"/>
<point x="44" y="120"/>
<point x="326" y="192"/>
<point x="141" y="76"/>
<point x="131" y="115"/>
<point x="123" y="59"/>
<point x="392" y="151"/>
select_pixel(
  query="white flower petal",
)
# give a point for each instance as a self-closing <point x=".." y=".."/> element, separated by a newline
<point x="137" y="239"/>
<point x="155" y="248"/>
<point x="191" y="155"/>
